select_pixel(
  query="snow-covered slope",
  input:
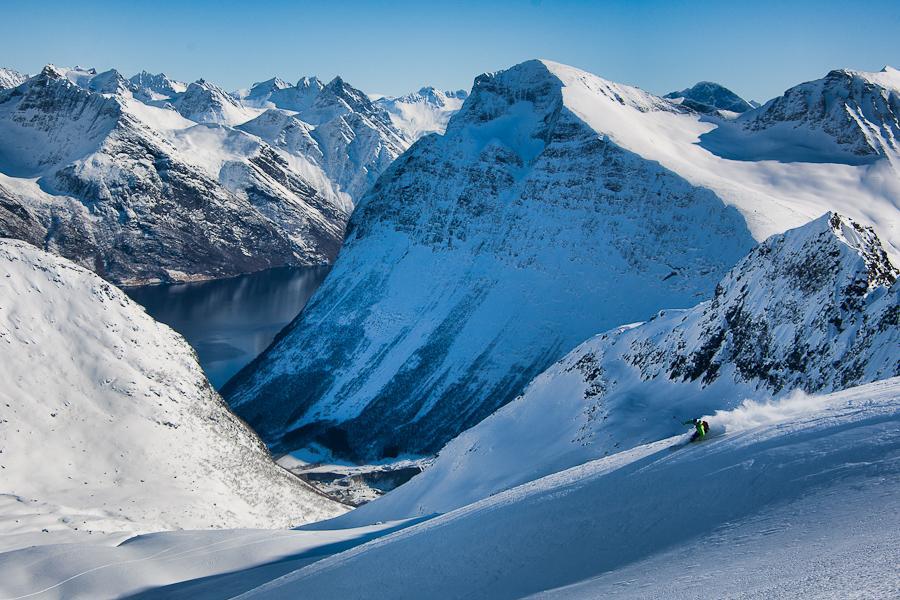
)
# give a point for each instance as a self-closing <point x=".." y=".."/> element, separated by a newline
<point x="10" y="78"/>
<point x="799" y="499"/>
<point x="350" y="138"/>
<point x="815" y="309"/>
<point x="709" y="97"/>
<point x="423" y="112"/>
<point x="107" y="422"/>
<point x="139" y="193"/>
<point x="479" y="258"/>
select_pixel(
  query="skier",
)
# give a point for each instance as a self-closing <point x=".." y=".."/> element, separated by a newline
<point x="702" y="429"/>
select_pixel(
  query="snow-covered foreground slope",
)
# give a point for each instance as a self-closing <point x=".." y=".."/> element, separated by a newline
<point x="814" y="309"/>
<point x="799" y="498"/>
<point x="479" y="258"/>
<point x="108" y="424"/>
<point x="198" y="565"/>
<point x="423" y="112"/>
<point x="92" y="167"/>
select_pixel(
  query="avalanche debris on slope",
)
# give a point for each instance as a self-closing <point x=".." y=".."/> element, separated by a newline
<point x="107" y="422"/>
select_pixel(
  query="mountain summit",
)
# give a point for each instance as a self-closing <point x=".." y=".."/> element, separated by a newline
<point x="708" y="97"/>
<point x="474" y="262"/>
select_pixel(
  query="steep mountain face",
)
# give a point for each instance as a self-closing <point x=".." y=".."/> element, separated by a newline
<point x="349" y="137"/>
<point x="130" y="434"/>
<point x="850" y="116"/>
<point x="709" y="97"/>
<point x="10" y="78"/>
<point x="423" y="112"/>
<point x="204" y="102"/>
<point x="139" y="194"/>
<point x="816" y="310"/>
<point x="477" y="260"/>
<point x="157" y="87"/>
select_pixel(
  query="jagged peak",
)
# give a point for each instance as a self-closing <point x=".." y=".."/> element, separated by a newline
<point x="310" y="82"/>
<point x="827" y="238"/>
<point x="51" y="71"/>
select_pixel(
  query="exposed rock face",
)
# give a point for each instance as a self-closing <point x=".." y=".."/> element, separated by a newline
<point x="139" y="194"/>
<point x="708" y="97"/>
<point x="816" y="310"/>
<point x="477" y="260"/>
<point x="131" y="435"/>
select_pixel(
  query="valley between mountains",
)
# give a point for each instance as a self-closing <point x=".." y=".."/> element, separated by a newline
<point x="530" y="286"/>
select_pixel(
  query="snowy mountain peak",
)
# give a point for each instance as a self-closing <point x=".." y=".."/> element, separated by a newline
<point x="10" y="78"/>
<point x="158" y="86"/>
<point x="423" y="112"/>
<point x="311" y="82"/>
<point x="52" y="72"/>
<point x="709" y="97"/>
<point x="858" y="111"/>
<point x="205" y="102"/>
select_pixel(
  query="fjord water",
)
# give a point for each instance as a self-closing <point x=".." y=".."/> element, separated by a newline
<point x="230" y="321"/>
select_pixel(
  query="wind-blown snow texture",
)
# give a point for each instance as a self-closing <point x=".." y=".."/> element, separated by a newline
<point x="815" y="309"/>
<point x="802" y="504"/>
<point x="478" y="259"/>
<point x="146" y="179"/>
<point x="107" y="422"/>
<point x="557" y="204"/>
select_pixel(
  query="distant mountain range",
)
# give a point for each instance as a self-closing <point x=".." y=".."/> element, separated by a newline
<point x="149" y="179"/>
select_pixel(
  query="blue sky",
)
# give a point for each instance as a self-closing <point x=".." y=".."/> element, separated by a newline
<point x="757" y="48"/>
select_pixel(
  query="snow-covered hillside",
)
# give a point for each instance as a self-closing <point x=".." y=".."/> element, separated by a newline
<point x="480" y="258"/>
<point x="709" y="97"/>
<point x="139" y="193"/>
<point x="557" y="204"/>
<point x="423" y="112"/>
<point x="815" y="309"/>
<point x="799" y="499"/>
<point x="352" y="139"/>
<point x="108" y="424"/>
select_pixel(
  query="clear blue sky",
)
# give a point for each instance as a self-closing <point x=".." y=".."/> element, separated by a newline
<point x="758" y="48"/>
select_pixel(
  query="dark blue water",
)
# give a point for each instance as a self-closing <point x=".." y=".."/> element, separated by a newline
<point x="230" y="321"/>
